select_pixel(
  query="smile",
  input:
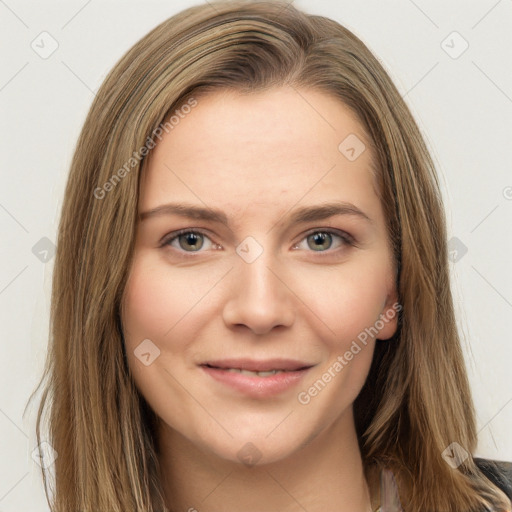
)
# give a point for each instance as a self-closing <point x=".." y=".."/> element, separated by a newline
<point x="261" y="380"/>
<point x="254" y="374"/>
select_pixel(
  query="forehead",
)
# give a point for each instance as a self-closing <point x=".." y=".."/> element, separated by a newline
<point x="262" y="150"/>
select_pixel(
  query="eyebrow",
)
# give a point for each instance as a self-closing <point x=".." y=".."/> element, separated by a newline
<point x="300" y="215"/>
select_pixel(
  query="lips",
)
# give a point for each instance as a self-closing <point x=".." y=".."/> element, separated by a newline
<point x="257" y="379"/>
<point x="268" y="365"/>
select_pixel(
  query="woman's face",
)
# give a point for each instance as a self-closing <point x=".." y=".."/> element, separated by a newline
<point x="264" y="276"/>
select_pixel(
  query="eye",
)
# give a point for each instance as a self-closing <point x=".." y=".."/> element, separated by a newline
<point x="322" y="240"/>
<point x="189" y="241"/>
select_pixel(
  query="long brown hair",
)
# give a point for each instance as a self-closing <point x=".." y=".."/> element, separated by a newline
<point x="416" y="400"/>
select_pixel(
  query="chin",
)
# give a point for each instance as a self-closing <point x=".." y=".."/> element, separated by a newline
<point x="256" y="448"/>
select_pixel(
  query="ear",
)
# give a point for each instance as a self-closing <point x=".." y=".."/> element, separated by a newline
<point x="388" y="319"/>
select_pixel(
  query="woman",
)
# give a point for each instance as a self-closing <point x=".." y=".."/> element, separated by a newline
<point x="251" y="305"/>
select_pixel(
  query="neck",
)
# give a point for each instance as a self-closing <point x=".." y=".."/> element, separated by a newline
<point x="326" y="473"/>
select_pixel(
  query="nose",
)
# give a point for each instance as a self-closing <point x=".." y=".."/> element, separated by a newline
<point x="259" y="297"/>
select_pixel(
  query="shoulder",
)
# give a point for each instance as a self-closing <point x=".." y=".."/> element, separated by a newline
<point x="498" y="472"/>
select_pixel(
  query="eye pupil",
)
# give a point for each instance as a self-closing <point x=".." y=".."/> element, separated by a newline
<point x="193" y="240"/>
<point x="320" y="239"/>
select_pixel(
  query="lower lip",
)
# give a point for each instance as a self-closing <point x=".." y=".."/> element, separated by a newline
<point x="254" y="386"/>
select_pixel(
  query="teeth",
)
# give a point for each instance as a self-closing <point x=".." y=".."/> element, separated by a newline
<point x="254" y="374"/>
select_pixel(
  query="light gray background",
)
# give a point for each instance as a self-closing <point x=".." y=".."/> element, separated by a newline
<point x="463" y="105"/>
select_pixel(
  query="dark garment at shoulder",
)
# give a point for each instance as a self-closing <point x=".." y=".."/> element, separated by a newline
<point x="498" y="472"/>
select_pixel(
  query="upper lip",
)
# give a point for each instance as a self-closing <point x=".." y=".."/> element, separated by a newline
<point x="258" y="366"/>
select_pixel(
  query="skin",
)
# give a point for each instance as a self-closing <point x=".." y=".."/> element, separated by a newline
<point x="258" y="158"/>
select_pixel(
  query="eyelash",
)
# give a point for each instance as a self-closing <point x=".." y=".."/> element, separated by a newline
<point x="345" y="238"/>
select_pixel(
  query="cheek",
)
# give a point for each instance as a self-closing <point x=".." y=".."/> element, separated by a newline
<point x="156" y="299"/>
<point x="349" y="303"/>
<point x="147" y="304"/>
<point x="168" y="305"/>
<point x="157" y="306"/>
<point x="347" y="300"/>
